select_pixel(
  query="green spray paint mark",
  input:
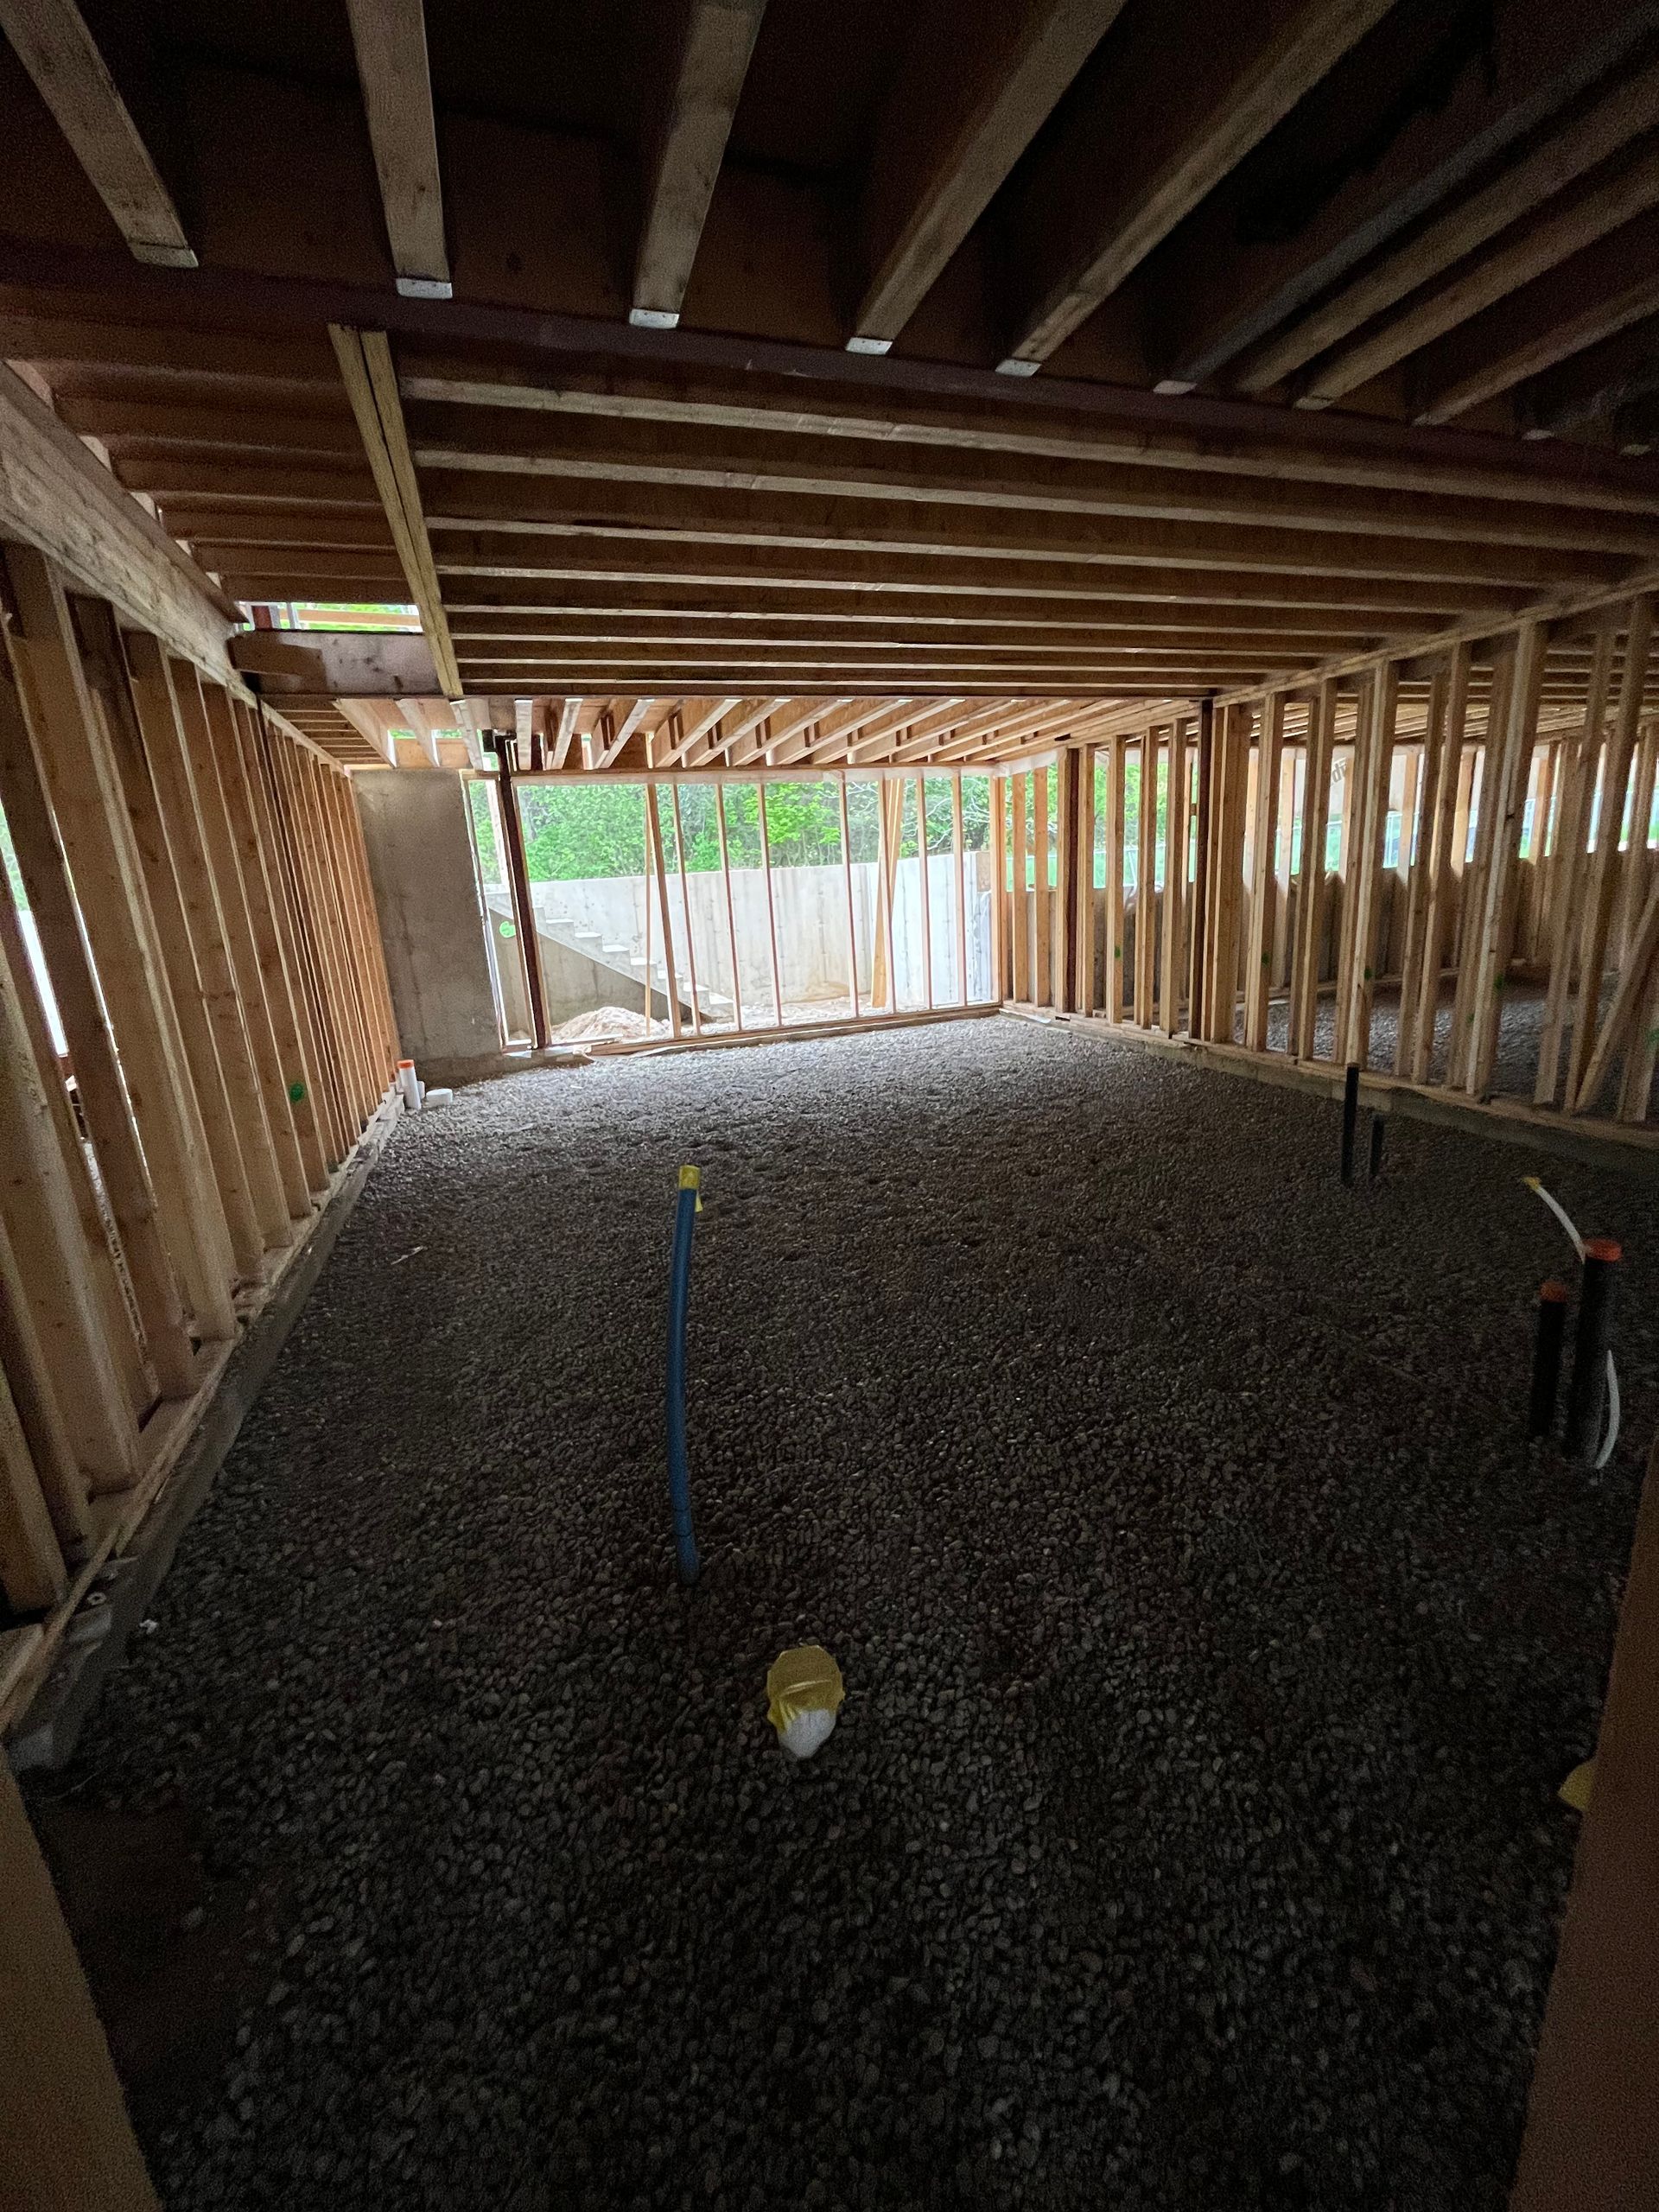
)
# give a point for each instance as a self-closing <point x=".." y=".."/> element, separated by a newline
<point x="295" y="1092"/>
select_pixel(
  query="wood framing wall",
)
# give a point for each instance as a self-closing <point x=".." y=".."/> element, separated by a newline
<point x="194" y="875"/>
<point x="1518" y="772"/>
<point x="692" y="1010"/>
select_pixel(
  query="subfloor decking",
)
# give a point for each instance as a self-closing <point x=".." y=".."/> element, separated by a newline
<point x="1214" y="1651"/>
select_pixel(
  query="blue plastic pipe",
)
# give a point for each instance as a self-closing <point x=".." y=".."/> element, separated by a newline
<point x="679" y="1287"/>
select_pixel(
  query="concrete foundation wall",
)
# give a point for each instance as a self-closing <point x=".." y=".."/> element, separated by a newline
<point x="420" y="846"/>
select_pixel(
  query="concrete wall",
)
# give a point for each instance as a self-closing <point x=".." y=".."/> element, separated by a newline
<point x="419" y="836"/>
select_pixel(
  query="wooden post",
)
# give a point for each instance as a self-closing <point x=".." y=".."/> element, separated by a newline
<point x="1264" y="885"/>
<point x="51" y="1448"/>
<point x="32" y="1573"/>
<point x="659" y="872"/>
<point x="1145" y="886"/>
<point x="772" y="911"/>
<point x="847" y="880"/>
<point x="1019" y="930"/>
<point x="1001" y="951"/>
<point x="253" y="861"/>
<point x="1087" y="998"/>
<point x="114" y="910"/>
<point x="91" y="1051"/>
<point x="1568" y="867"/>
<point x="1042" y="938"/>
<point x="1509" y="806"/>
<point x="1371" y="824"/>
<point x="1116" y="811"/>
<point x="1471" y="897"/>
<point x="1310" y="906"/>
<point x="961" y="890"/>
<point x="648" y="883"/>
<point x="1198" y="925"/>
<point x="1066" y="969"/>
<point x="157" y="707"/>
<point x="1634" y="871"/>
<point x="685" y="909"/>
<point x="927" y="904"/>
<point x="1629" y="996"/>
<point x="1604" y="863"/>
<point x="106" y="670"/>
<point x="1420" y="873"/>
<point x="731" y="910"/>
<point x="226" y="866"/>
<point x="1290" y="766"/>
<point x="295" y="918"/>
<point x="1233" y="751"/>
<point x="44" y="1231"/>
<point x="1450" y="834"/>
<point x="69" y="2144"/>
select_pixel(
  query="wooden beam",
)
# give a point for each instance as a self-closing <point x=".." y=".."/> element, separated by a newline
<point x="718" y="39"/>
<point x="796" y="520"/>
<point x="959" y="116"/>
<point x="1592" y="136"/>
<point x="56" y="496"/>
<point x="1107" y="195"/>
<point x="51" y="39"/>
<point x="1538" y="245"/>
<point x="1594" y="384"/>
<point x="694" y="724"/>
<point x="364" y="360"/>
<point x="637" y="709"/>
<point x="1061" y="419"/>
<point x="517" y="561"/>
<point x="1590" y="296"/>
<point x="579" y="451"/>
<point x="1458" y="94"/>
<point x="390" y="38"/>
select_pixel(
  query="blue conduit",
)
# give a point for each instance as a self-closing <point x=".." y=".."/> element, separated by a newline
<point x="679" y="1285"/>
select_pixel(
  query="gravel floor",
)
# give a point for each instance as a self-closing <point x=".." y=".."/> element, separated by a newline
<point x="1214" y="1651"/>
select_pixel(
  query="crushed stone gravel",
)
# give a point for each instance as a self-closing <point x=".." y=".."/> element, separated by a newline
<point x="1214" y="1648"/>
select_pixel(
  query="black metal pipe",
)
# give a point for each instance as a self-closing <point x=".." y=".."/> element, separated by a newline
<point x="1587" y="1398"/>
<point x="1548" y="1339"/>
<point x="1349" y="1119"/>
<point x="1378" y="1126"/>
<point x="502" y="744"/>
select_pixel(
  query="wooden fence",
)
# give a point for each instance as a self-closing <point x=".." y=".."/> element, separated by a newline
<point x="1440" y="868"/>
<point x="206" y="957"/>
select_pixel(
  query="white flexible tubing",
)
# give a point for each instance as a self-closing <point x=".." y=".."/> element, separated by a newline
<point x="1557" y="1209"/>
<point x="1606" y="1450"/>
